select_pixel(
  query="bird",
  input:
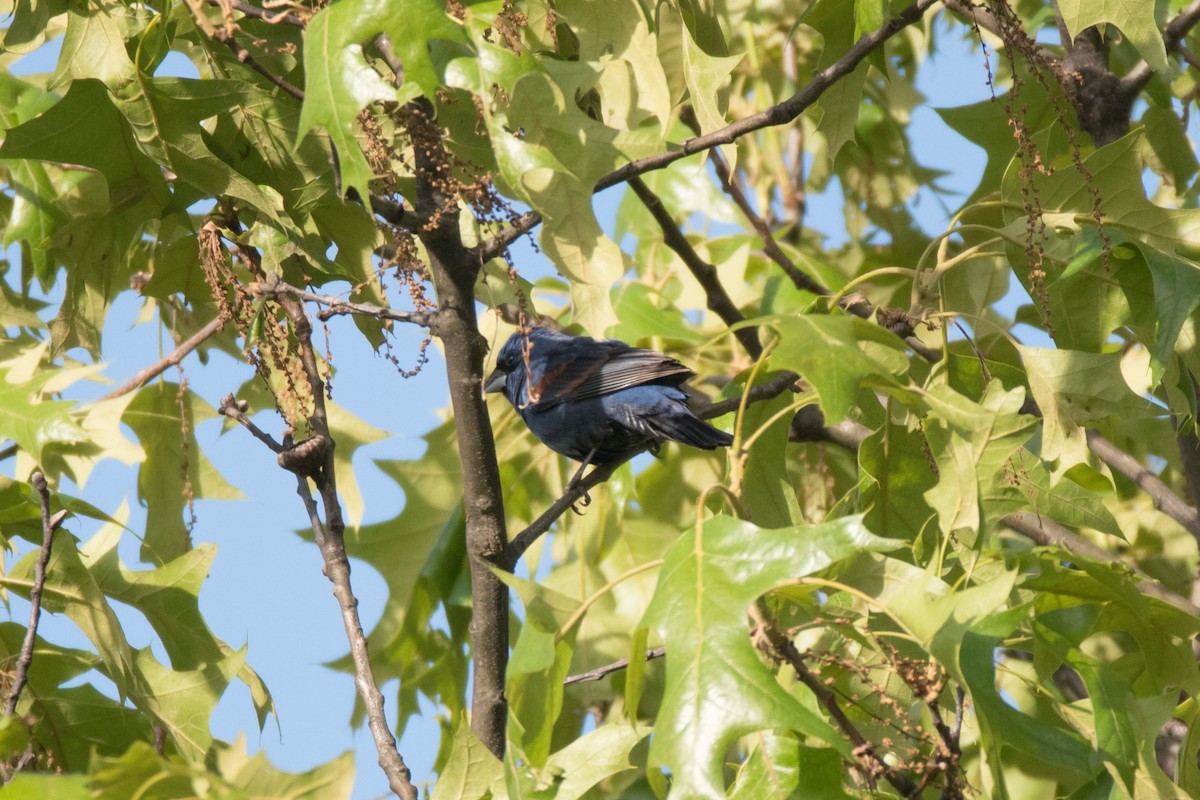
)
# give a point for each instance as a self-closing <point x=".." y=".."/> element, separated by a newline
<point x="598" y="401"/>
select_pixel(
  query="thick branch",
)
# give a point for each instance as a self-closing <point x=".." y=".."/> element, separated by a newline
<point x="1164" y="499"/>
<point x="454" y="270"/>
<point x="25" y="658"/>
<point x="706" y="274"/>
<point x="177" y="355"/>
<point x="782" y="113"/>
<point x="1050" y="534"/>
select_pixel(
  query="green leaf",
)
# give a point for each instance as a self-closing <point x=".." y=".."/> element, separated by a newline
<point x="60" y="135"/>
<point x="339" y="83"/>
<point x="1065" y="501"/>
<point x="717" y="688"/>
<point x="594" y="757"/>
<point x="471" y="769"/>
<point x="645" y="314"/>
<point x="165" y="115"/>
<point x="768" y="494"/>
<point x="706" y="76"/>
<point x="25" y="786"/>
<point x="30" y="422"/>
<point x="896" y="461"/>
<point x="540" y="661"/>
<point x="973" y="451"/>
<point x="1073" y="388"/>
<point x="840" y="103"/>
<point x="837" y="355"/>
<point x="169" y="597"/>
<point x="72" y="589"/>
<point x="772" y="770"/>
<point x="181" y="701"/>
<point x="174" y="466"/>
<point x="1176" y="296"/>
<point x="1135" y="18"/>
<point x="94" y="44"/>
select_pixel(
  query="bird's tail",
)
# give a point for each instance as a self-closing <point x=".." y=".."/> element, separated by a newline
<point x="693" y="431"/>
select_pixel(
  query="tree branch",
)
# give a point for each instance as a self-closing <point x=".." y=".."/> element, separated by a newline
<point x="1050" y="534"/>
<point x="1164" y="499"/>
<point x="177" y="355"/>
<point x="850" y="435"/>
<point x="574" y="493"/>
<point x="25" y="658"/>
<point x="601" y="672"/>
<point x="259" y="13"/>
<point x="335" y="306"/>
<point x="782" y="648"/>
<point x="780" y="114"/>
<point x="517" y="228"/>
<point x="454" y="269"/>
<point x="706" y="274"/>
<point x="770" y="246"/>
<point x="313" y="460"/>
<point x="227" y="38"/>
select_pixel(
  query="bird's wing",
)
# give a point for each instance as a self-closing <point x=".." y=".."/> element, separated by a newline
<point x="603" y="368"/>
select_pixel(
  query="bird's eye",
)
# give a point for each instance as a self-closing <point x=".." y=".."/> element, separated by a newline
<point x="508" y="362"/>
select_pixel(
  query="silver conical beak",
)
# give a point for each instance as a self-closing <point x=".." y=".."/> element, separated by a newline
<point x="495" y="382"/>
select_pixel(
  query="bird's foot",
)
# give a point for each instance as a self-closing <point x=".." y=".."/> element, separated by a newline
<point x="582" y="503"/>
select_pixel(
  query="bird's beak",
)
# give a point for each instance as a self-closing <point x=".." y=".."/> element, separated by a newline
<point x="495" y="382"/>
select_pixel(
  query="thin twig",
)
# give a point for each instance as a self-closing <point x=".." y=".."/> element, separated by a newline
<point x="516" y="228"/>
<point x="574" y="493"/>
<point x="231" y="408"/>
<point x="329" y="534"/>
<point x="763" y="391"/>
<point x="335" y="306"/>
<point x="49" y="525"/>
<point x="705" y="273"/>
<point x="977" y="13"/>
<point x="770" y="246"/>
<point x="783" y="648"/>
<point x="178" y="354"/>
<point x="245" y="57"/>
<point x="780" y="114"/>
<point x="601" y="672"/>
<point x="255" y="12"/>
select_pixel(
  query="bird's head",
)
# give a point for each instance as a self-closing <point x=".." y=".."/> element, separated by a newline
<point x="509" y="375"/>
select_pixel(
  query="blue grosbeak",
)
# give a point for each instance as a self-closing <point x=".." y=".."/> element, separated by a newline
<point x="598" y="402"/>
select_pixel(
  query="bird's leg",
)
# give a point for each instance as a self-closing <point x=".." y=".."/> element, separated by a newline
<point x="586" y="500"/>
